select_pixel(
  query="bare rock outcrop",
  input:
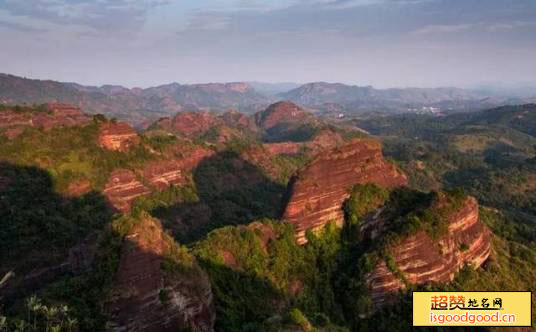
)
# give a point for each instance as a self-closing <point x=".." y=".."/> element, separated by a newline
<point x="117" y="136"/>
<point x="421" y="259"/>
<point x="158" y="286"/>
<point x="163" y="174"/>
<point x="123" y="188"/>
<point x="317" y="192"/>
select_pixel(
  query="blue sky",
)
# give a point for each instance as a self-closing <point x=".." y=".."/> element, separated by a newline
<point x="384" y="43"/>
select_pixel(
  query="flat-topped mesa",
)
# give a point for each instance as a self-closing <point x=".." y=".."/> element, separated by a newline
<point x="420" y="259"/>
<point x="147" y="296"/>
<point x="123" y="188"/>
<point x="317" y="192"/>
<point x="117" y="136"/>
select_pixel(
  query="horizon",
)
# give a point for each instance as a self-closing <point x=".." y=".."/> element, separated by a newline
<point x="480" y="86"/>
<point x="381" y="43"/>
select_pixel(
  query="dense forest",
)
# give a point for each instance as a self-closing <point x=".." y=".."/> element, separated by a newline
<point x="261" y="279"/>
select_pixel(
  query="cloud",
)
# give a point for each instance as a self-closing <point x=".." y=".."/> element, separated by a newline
<point x="20" y="27"/>
<point x="511" y="25"/>
<point x="443" y="28"/>
<point x="96" y="14"/>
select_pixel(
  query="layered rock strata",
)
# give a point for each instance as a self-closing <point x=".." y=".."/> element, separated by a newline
<point x="421" y="259"/>
<point x="117" y="136"/>
<point x="316" y="193"/>
<point x="123" y="188"/>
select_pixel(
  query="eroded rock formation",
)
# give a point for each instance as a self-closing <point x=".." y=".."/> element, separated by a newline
<point x="163" y="174"/>
<point x="123" y="188"/>
<point x="147" y="297"/>
<point x="317" y="192"/>
<point x="117" y="136"/>
<point x="422" y="259"/>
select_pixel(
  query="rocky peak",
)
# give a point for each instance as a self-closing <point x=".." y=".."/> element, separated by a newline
<point x="280" y="112"/>
<point x="316" y="193"/>
<point x="117" y="136"/>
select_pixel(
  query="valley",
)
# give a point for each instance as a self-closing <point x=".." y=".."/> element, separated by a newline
<point x="280" y="220"/>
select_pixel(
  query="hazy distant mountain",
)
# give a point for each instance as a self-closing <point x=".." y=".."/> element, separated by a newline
<point x="325" y="96"/>
<point x="272" y="89"/>
<point x="138" y="106"/>
<point x="142" y="107"/>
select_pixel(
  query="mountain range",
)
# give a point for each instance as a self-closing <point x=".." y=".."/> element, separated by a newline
<point x="142" y="107"/>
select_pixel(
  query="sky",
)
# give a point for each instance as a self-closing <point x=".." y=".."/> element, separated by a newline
<point x="384" y="43"/>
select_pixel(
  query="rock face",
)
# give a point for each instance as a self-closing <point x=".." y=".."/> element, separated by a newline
<point x="288" y="148"/>
<point x="13" y="122"/>
<point x="422" y="260"/>
<point x="317" y="192"/>
<point x="123" y="188"/>
<point x="162" y="175"/>
<point x="145" y="298"/>
<point x="117" y="136"/>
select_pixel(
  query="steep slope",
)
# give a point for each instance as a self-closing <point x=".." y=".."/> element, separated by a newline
<point x="317" y="192"/>
<point x="159" y="286"/>
<point x="425" y="256"/>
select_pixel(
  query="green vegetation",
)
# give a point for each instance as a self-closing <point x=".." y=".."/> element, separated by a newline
<point x="71" y="153"/>
<point x="258" y="271"/>
<point x="364" y="199"/>
<point x="260" y="278"/>
<point x="490" y="153"/>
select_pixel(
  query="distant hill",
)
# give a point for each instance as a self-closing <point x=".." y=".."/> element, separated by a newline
<point x="141" y="107"/>
<point x="138" y="106"/>
<point x="359" y="99"/>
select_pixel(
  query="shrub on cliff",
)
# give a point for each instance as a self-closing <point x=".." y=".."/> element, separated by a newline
<point x="364" y="198"/>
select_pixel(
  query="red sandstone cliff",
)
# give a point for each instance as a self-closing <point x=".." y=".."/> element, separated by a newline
<point x="123" y="188"/>
<point x="163" y="174"/>
<point x="422" y="260"/>
<point x="317" y="192"/>
<point x="117" y="136"/>
<point x="150" y="296"/>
